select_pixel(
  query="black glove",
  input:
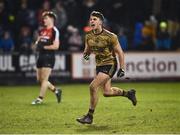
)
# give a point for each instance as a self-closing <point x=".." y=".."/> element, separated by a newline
<point x="86" y="56"/>
<point x="120" y="73"/>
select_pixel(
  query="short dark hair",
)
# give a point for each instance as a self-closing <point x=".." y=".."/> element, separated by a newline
<point x="50" y="14"/>
<point x="98" y="14"/>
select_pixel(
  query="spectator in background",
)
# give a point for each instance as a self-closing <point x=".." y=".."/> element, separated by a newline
<point x="163" y="38"/>
<point x="177" y="41"/>
<point x="6" y="43"/>
<point x="123" y="39"/>
<point x="1" y="34"/>
<point x="87" y="7"/>
<point x="25" y="16"/>
<point x="75" y="39"/>
<point x="137" y="41"/>
<point x="1" y="47"/>
<point x="148" y="37"/>
<point x="76" y="13"/>
<point x="153" y="21"/>
<point x="174" y="32"/>
<point x="46" y="6"/>
<point x="61" y="15"/>
<point x="1" y="31"/>
<point x="25" y="40"/>
<point x="173" y="27"/>
<point x="73" y="12"/>
<point x="3" y="15"/>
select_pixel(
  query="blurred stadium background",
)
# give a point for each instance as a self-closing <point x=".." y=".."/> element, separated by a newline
<point x="149" y="33"/>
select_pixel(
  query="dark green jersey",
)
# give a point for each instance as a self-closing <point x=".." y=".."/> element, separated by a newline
<point x="102" y="46"/>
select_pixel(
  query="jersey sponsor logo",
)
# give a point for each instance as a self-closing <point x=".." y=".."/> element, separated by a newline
<point x="45" y="33"/>
<point x="45" y="37"/>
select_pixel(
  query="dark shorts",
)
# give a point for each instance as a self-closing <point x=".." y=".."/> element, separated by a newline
<point x="45" y="60"/>
<point x="107" y="69"/>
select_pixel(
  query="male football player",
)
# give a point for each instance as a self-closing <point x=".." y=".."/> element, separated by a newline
<point x="105" y="46"/>
<point x="47" y="43"/>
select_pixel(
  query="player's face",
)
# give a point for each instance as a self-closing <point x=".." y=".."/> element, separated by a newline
<point x="95" y="22"/>
<point x="47" y="20"/>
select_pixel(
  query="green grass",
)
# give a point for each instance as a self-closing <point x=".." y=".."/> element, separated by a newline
<point x="157" y="111"/>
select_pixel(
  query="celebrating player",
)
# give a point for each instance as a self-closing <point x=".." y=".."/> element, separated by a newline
<point x="105" y="46"/>
<point x="47" y="43"/>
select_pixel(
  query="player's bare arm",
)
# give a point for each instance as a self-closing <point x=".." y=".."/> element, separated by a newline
<point x="86" y="52"/>
<point x="34" y="45"/>
<point x="87" y="49"/>
<point x="118" y="50"/>
<point x="54" y="46"/>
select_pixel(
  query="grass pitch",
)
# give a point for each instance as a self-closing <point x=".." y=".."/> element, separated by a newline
<point x="157" y="111"/>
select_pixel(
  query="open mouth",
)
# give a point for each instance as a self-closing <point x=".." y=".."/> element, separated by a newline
<point x="92" y="25"/>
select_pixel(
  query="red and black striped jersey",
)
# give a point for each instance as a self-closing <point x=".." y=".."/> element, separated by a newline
<point x="47" y="37"/>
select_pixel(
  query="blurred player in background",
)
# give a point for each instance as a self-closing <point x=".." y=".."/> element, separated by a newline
<point x="46" y="44"/>
<point x="105" y="46"/>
